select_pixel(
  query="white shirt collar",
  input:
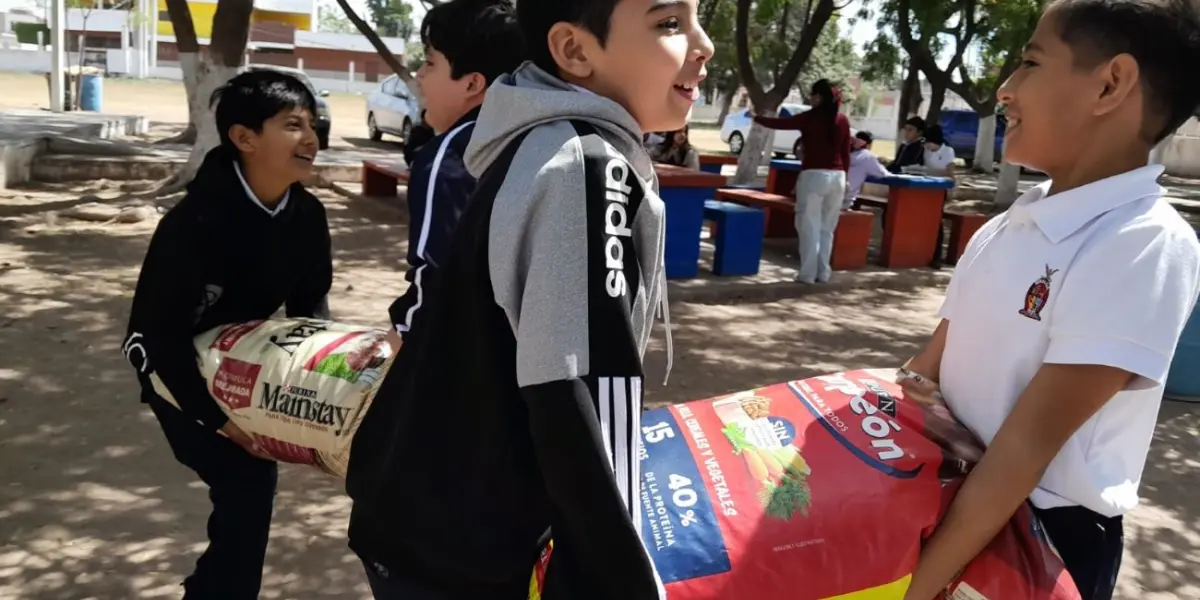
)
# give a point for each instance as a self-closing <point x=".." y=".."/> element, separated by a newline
<point x="1063" y="214"/>
<point x="250" y="193"/>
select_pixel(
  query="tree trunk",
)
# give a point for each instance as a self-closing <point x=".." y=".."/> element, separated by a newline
<point x="726" y="98"/>
<point x="189" y="60"/>
<point x="910" y="96"/>
<point x="937" y="97"/>
<point x="985" y="144"/>
<point x="231" y="29"/>
<point x="1007" y="188"/>
<point x="755" y="151"/>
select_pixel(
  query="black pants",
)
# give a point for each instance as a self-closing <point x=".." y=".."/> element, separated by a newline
<point x="1091" y="546"/>
<point x="242" y="490"/>
<point x="386" y="585"/>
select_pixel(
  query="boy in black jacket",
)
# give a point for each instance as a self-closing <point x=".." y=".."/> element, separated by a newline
<point x="245" y="240"/>
<point x="514" y="408"/>
<point x="468" y="44"/>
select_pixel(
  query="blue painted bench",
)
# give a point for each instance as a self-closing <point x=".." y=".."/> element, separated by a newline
<point x="738" y="237"/>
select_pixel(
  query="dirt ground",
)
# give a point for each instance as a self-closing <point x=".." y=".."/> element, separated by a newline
<point x="92" y="505"/>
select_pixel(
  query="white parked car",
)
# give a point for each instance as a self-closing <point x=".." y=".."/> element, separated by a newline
<point x="736" y="130"/>
<point x="392" y="108"/>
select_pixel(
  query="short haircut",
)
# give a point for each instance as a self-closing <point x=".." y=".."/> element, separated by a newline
<point x="865" y="136"/>
<point x="538" y="16"/>
<point x="917" y="122"/>
<point x="253" y="97"/>
<point x="1163" y="36"/>
<point x="475" y="36"/>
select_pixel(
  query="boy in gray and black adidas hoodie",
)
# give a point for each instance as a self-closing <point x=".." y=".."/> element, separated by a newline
<point x="514" y="407"/>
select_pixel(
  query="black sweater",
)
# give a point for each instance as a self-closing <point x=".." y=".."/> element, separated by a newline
<point x="219" y="257"/>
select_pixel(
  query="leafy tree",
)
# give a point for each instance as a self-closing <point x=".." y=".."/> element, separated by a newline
<point x="333" y="20"/>
<point x="393" y="18"/>
<point x="785" y="34"/>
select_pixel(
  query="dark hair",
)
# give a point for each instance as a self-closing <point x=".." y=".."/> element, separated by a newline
<point x="538" y="16"/>
<point x="934" y="135"/>
<point x="917" y="122"/>
<point x="476" y="36"/>
<point x="1163" y="36"/>
<point x="253" y="97"/>
<point x="668" y="144"/>
<point x="865" y="136"/>
<point x="831" y="103"/>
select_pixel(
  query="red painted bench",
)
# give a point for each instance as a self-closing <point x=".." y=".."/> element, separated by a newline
<point x="779" y="211"/>
<point x="713" y="163"/>
<point x="851" y="240"/>
<point x="962" y="227"/>
<point x="381" y="178"/>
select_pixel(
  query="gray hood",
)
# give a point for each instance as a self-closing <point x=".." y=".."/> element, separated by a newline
<point x="530" y="97"/>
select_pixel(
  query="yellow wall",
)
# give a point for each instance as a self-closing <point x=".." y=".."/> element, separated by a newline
<point x="202" y="17"/>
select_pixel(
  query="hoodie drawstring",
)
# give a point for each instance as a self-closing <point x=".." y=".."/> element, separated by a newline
<point x="664" y="310"/>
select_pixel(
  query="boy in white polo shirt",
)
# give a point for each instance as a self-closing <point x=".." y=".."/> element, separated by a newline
<point x="1063" y="314"/>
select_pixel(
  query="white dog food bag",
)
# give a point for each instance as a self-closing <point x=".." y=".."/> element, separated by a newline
<point x="299" y="386"/>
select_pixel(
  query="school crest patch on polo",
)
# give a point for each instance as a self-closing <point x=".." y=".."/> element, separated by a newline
<point x="1037" y="296"/>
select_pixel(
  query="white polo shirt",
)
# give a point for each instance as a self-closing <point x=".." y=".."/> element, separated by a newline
<point x="1104" y="274"/>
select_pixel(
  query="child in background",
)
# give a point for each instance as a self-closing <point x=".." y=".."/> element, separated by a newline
<point x="513" y="408"/>
<point x="911" y="151"/>
<point x="468" y="44"/>
<point x="863" y="164"/>
<point x="1062" y="317"/>
<point x="245" y="240"/>
<point x="676" y="150"/>
<point x="938" y="159"/>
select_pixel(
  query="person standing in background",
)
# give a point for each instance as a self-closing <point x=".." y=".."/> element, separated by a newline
<point x="821" y="188"/>
<point x="863" y="164"/>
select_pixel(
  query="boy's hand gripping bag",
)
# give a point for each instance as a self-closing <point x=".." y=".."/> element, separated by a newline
<point x="299" y="386"/>
<point x="818" y="489"/>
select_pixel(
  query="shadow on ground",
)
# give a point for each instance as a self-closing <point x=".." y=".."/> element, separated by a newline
<point x="93" y="506"/>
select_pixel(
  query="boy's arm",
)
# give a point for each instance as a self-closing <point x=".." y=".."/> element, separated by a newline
<point x="567" y="286"/>
<point x="875" y="168"/>
<point x="168" y="294"/>
<point x="1109" y="332"/>
<point x="311" y="297"/>
<point x="438" y="193"/>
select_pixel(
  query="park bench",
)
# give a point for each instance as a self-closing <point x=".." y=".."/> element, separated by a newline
<point x="851" y="240"/>
<point x="963" y="225"/>
<point x="737" y="235"/>
<point x="713" y="163"/>
<point x="382" y="178"/>
<point x="778" y="211"/>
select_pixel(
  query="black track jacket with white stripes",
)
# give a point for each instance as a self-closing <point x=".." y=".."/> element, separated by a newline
<point x="514" y="406"/>
<point x="439" y="188"/>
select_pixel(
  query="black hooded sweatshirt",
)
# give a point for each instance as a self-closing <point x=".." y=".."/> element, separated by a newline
<point x="219" y="256"/>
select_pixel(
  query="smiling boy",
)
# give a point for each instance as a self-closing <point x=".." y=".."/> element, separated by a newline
<point x="245" y="240"/>
<point x="1061" y="321"/>
<point x="521" y="413"/>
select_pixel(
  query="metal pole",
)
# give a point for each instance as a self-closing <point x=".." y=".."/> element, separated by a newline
<point x="58" y="14"/>
<point x="152" y="14"/>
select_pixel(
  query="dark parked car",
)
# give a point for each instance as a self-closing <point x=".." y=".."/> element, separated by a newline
<point x="962" y="130"/>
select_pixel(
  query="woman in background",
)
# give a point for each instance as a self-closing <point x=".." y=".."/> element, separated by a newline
<point x="675" y="149"/>
<point x="825" y="132"/>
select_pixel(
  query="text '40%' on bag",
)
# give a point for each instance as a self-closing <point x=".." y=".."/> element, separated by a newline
<point x="816" y="489"/>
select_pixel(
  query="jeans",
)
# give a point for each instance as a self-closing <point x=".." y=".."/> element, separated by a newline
<point x="1090" y="544"/>
<point x="819" y="196"/>
<point x="242" y="490"/>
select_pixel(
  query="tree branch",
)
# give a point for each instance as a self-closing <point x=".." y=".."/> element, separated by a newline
<point x="710" y="12"/>
<point x="231" y="31"/>
<point x="181" y="22"/>
<point x="808" y="41"/>
<point x="741" y="37"/>
<point x="380" y="48"/>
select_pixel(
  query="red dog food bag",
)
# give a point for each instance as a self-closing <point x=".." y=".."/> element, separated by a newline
<point x="818" y="489"/>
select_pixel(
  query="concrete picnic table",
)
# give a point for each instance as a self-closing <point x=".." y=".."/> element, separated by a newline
<point x="683" y="192"/>
<point x="914" y="215"/>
